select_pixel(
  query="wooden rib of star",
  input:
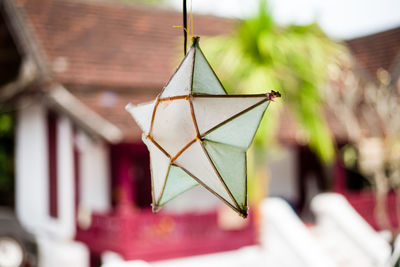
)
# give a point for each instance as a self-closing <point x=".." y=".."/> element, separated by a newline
<point x="200" y="137"/>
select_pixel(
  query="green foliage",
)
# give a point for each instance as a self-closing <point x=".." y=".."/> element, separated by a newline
<point x="6" y="159"/>
<point x="261" y="56"/>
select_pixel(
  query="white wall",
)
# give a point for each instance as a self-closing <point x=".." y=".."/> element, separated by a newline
<point x="31" y="165"/>
<point x="282" y="168"/>
<point x="32" y="173"/>
<point x="95" y="175"/>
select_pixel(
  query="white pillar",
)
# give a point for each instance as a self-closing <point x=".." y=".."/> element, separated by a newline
<point x="95" y="183"/>
<point x="32" y="179"/>
<point x="31" y="165"/>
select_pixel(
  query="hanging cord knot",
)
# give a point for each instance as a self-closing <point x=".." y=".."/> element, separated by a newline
<point x="273" y="94"/>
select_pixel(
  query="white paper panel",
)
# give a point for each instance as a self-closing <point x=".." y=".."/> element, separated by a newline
<point x="159" y="164"/>
<point x="194" y="160"/>
<point x="181" y="82"/>
<point x="211" y="111"/>
<point x="173" y="126"/>
<point x="142" y="114"/>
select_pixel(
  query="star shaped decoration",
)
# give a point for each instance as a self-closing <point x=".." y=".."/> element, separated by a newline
<point x="197" y="134"/>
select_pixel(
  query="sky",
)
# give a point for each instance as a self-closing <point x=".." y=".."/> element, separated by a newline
<point x="340" y="19"/>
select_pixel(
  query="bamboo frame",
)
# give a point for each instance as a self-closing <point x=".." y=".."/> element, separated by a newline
<point x="196" y="43"/>
<point x="219" y="175"/>
<point x="200" y="137"/>
<point x="234" y="117"/>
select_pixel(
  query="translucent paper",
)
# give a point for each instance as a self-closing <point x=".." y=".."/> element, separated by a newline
<point x="195" y="161"/>
<point x="181" y="82"/>
<point x="197" y="134"/>
<point x="230" y="162"/>
<point x="159" y="167"/>
<point x="178" y="181"/>
<point x="240" y="131"/>
<point x="143" y="114"/>
<point x="204" y="79"/>
<point x="173" y="126"/>
<point x="207" y="109"/>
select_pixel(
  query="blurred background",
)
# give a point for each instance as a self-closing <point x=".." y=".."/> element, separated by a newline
<point x="323" y="172"/>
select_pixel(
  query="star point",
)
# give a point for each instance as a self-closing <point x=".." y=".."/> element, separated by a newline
<point x="197" y="134"/>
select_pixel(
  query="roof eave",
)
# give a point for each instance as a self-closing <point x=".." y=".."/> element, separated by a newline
<point x="26" y="77"/>
<point x="62" y="99"/>
<point x="25" y="39"/>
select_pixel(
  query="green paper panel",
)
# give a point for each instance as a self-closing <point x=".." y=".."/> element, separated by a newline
<point x="195" y="160"/>
<point x="178" y="181"/>
<point x="240" y="131"/>
<point x="204" y="79"/>
<point x="212" y="111"/>
<point x="231" y="165"/>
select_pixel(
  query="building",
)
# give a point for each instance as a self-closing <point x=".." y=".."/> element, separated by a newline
<point x="68" y="69"/>
<point x="373" y="57"/>
<point x="82" y="171"/>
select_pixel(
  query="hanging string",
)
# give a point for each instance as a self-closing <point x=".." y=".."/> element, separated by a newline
<point x="184" y="27"/>
<point x="187" y="25"/>
<point x="190" y="29"/>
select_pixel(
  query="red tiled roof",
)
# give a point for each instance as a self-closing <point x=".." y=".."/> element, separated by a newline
<point x="380" y="50"/>
<point x="111" y="43"/>
<point x="111" y="106"/>
<point x="110" y="53"/>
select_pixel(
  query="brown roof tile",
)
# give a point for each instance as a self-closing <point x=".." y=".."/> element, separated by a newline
<point x="109" y="53"/>
<point x="111" y="106"/>
<point x="109" y="43"/>
<point x="380" y="50"/>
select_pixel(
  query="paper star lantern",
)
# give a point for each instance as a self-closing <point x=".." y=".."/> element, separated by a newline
<point x="197" y="134"/>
